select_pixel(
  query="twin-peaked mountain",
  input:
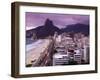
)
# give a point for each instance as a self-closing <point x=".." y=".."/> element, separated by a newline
<point x="49" y="29"/>
<point x="44" y="31"/>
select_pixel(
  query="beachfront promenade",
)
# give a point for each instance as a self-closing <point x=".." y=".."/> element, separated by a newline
<point x="39" y="53"/>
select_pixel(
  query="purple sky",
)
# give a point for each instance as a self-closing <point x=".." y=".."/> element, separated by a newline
<point x="34" y="20"/>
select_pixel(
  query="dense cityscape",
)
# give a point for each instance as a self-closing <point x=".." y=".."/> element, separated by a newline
<point x="71" y="49"/>
<point x="63" y="49"/>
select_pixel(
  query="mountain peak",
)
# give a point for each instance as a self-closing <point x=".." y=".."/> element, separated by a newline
<point x="48" y="22"/>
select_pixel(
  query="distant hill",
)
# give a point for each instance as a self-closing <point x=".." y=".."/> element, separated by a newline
<point x="76" y="28"/>
<point x="49" y="29"/>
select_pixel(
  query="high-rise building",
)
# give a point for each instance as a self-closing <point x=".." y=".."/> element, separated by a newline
<point x="78" y="56"/>
<point x="60" y="59"/>
<point x="86" y="54"/>
<point x="55" y="35"/>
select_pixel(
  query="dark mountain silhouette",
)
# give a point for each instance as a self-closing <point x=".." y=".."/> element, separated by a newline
<point x="76" y="28"/>
<point x="43" y="31"/>
<point x="49" y="29"/>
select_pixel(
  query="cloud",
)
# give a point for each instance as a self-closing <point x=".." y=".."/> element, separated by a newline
<point x="61" y="20"/>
